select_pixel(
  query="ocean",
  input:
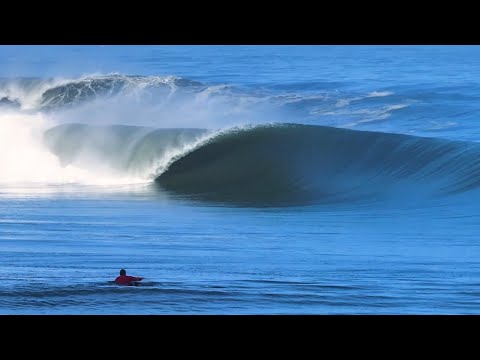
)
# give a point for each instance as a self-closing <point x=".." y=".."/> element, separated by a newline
<point x="240" y="179"/>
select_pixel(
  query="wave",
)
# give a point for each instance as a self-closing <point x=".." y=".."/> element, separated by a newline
<point x="47" y="94"/>
<point x="278" y="164"/>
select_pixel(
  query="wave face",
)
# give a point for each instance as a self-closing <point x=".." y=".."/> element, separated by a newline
<point x="276" y="165"/>
<point x="302" y="164"/>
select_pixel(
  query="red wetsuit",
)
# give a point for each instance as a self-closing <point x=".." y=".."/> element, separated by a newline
<point x="127" y="280"/>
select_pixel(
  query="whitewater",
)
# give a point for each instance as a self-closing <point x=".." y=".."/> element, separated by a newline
<point x="329" y="180"/>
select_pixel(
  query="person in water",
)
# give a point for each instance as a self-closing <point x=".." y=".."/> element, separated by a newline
<point x="124" y="279"/>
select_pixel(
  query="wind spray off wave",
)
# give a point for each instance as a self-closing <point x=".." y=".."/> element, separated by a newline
<point x="30" y="106"/>
<point x="24" y="158"/>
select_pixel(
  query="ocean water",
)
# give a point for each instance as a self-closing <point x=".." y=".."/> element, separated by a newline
<point x="240" y="179"/>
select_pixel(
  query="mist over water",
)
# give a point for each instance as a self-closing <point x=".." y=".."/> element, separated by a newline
<point x="33" y="106"/>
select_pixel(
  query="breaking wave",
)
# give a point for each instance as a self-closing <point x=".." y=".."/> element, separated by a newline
<point x="277" y="164"/>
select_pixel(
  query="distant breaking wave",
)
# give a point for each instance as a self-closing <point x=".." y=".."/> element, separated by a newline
<point x="281" y="164"/>
<point x="59" y="94"/>
<point x="46" y="94"/>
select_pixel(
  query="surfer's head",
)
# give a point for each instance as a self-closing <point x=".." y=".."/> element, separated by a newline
<point x="123" y="272"/>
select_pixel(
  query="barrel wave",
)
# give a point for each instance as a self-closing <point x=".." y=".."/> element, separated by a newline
<point x="278" y="164"/>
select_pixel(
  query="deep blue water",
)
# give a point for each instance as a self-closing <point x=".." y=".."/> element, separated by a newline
<point x="240" y="179"/>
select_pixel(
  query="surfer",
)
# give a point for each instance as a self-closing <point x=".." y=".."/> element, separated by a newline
<point x="124" y="279"/>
